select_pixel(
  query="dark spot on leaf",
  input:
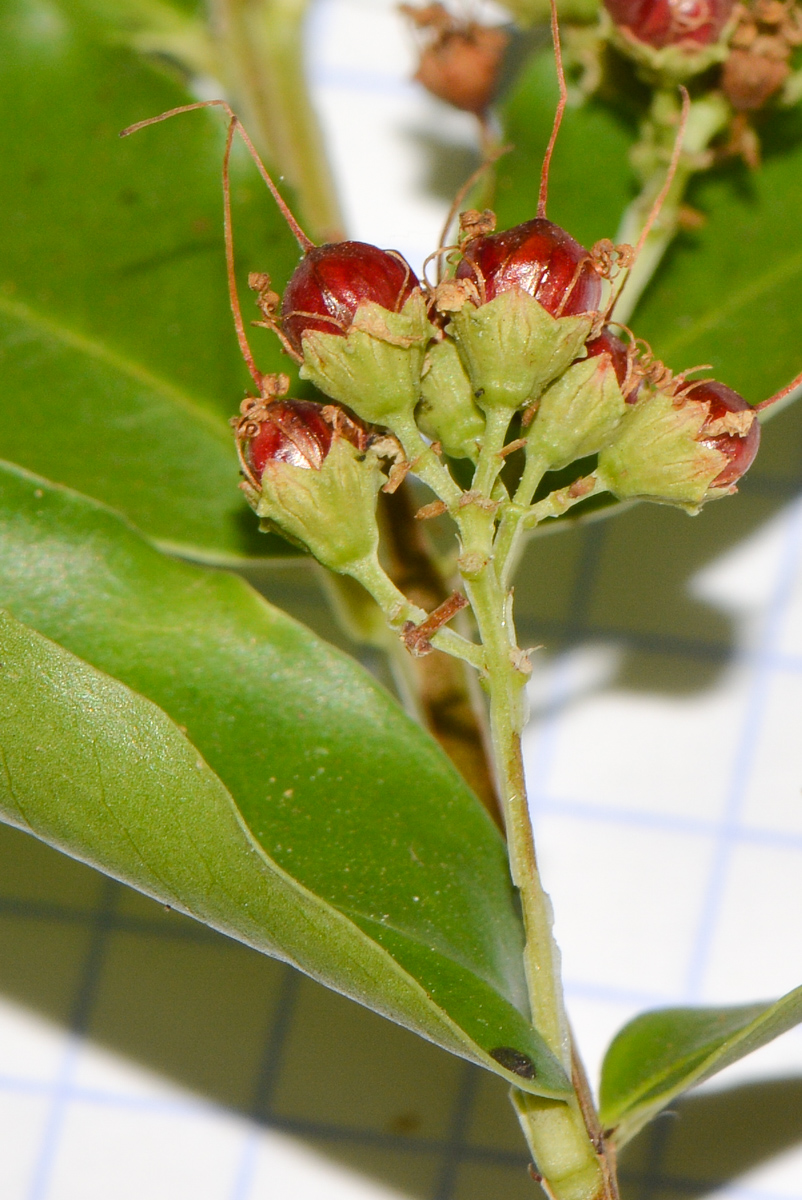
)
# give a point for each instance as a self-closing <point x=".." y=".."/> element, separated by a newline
<point x="128" y="196"/>
<point x="513" y="1060"/>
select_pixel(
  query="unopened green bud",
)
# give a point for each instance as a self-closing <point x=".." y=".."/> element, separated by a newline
<point x="447" y="413"/>
<point x="579" y="414"/>
<point x="375" y="369"/>
<point x="657" y="454"/>
<point x="511" y="347"/>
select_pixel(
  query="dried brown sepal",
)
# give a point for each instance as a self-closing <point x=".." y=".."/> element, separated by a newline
<point x="417" y="638"/>
<point x="428" y="511"/>
<point x="460" y="60"/>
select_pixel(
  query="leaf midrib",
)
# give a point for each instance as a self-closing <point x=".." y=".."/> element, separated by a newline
<point x="738" y="300"/>
<point x="111" y="358"/>
<point x="451" y="955"/>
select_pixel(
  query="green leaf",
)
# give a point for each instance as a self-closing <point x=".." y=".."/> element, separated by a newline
<point x="728" y="293"/>
<point x="346" y="794"/>
<point x="661" y="1054"/>
<point x="590" y="181"/>
<point x="118" y="362"/>
<point x="96" y="770"/>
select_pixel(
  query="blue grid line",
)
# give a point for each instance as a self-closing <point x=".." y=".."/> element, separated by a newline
<point x="83" y="1002"/>
<point x="607" y="814"/>
<point x="744" y="759"/>
<point x="267" y="1078"/>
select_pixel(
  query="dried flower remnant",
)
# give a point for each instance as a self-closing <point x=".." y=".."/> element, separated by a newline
<point x="758" y="65"/>
<point x="460" y="61"/>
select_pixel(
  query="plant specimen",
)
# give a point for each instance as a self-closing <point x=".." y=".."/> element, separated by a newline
<point x="511" y="391"/>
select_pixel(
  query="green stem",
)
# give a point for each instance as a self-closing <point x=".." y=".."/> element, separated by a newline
<point x="398" y="610"/>
<point x="260" y="43"/>
<point x="425" y="463"/>
<point x="490" y="458"/>
<point x="708" y="117"/>
<point x="555" y="1130"/>
<point x="510" y="531"/>
<point x="559" y="502"/>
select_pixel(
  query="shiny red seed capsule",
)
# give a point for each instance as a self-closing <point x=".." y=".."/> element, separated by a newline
<point x="333" y="280"/>
<point x="668" y="22"/>
<point x="740" y="450"/>
<point x="299" y="432"/>
<point x="539" y="258"/>
<point x="608" y="343"/>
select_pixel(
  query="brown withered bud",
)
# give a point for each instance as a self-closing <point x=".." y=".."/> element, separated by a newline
<point x="759" y="62"/>
<point x="460" y="60"/>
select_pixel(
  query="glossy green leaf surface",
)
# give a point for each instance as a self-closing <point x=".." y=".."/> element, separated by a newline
<point x="345" y="793"/>
<point x="96" y="770"/>
<point x="118" y="362"/>
<point x="661" y="1054"/>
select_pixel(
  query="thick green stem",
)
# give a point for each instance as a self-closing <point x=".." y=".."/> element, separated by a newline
<point x="708" y="117"/>
<point x="260" y="44"/>
<point x="555" y="1130"/>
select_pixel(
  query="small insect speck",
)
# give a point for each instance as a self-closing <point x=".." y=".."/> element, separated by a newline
<point x="515" y="1061"/>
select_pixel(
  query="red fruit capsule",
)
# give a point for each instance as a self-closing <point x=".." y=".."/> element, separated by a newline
<point x="333" y="280"/>
<point x="740" y="448"/>
<point x="669" y="22"/>
<point x="608" y="343"/>
<point x="539" y="258"/>
<point x="290" y="431"/>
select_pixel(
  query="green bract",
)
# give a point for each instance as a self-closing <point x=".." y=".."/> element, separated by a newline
<point x="579" y="414"/>
<point x="330" y="510"/>
<point x="512" y="348"/>
<point x="447" y="413"/>
<point x="656" y="455"/>
<point x="376" y="368"/>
